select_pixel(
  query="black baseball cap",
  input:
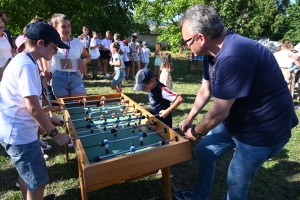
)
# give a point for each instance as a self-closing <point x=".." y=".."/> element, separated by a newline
<point x="142" y="77"/>
<point x="43" y="31"/>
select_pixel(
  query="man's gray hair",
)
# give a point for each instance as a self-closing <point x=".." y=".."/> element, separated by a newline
<point x="203" y="19"/>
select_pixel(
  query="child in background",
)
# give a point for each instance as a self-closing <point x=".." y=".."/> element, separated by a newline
<point x="118" y="63"/>
<point x="166" y="68"/>
<point x="95" y="53"/>
<point x="126" y="58"/>
<point x="145" y="53"/>
<point x="134" y="54"/>
<point x="158" y="55"/>
<point x="159" y="95"/>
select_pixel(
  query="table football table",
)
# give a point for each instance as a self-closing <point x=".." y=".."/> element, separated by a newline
<point x="116" y="140"/>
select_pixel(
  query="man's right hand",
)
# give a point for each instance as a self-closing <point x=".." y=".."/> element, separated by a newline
<point x="62" y="139"/>
<point x="185" y="125"/>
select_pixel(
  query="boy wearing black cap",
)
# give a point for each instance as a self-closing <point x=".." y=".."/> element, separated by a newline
<point x="21" y="112"/>
<point x="159" y="95"/>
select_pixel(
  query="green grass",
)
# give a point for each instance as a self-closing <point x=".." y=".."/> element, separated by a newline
<point x="278" y="179"/>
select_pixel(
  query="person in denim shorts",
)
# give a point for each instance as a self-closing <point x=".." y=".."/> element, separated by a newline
<point x="118" y="63"/>
<point x="21" y="113"/>
<point x="68" y="66"/>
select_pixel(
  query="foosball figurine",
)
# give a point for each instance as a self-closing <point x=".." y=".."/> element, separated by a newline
<point x="105" y="110"/>
<point x="129" y="119"/>
<point x="121" y="108"/>
<point x="134" y="127"/>
<point x="91" y="126"/>
<point x="124" y="113"/>
<point x="113" y="115"/>
<point x="106" y="143"/>
<point x="117" y="122"/>
<point x="89" y="112"/>
<point x="141" y="135"/>
<point x="132" y="148"/>
<point x="104" y="124"/>
<point x="89" y="118"/>
<point x="101" y="117"/>
<point x="152" y="123"/>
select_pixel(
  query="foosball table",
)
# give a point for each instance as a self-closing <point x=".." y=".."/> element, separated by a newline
<point x="116" y="140"/>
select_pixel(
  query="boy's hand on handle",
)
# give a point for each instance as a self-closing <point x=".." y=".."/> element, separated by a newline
<point x="62" y="139"/>
<point x="164" y="113"/>
<point x="185" y="125"/>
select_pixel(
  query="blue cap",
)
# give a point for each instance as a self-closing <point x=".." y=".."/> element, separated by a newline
<point x="142" y="77"/>
<point x="43" y="31"/>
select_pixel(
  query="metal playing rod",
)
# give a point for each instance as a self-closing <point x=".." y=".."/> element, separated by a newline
<point x="94" y="134"/>
<point x="98" y="158"/>
<point x="81" y="101"/>
<point x="127" y="138"/>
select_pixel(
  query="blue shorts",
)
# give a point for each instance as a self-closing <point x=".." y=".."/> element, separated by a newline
<point x="67" y="84"/>
<point x="120" y="74"/>
<point x="29" y="162"/>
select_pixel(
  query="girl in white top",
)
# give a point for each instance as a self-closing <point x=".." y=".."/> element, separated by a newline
<point x="5" y="48"/>
<point x="95" y="53"/>
<point x="85" y="38"/>
<point x="68" y="66"/>
<point x="118" y="63"/>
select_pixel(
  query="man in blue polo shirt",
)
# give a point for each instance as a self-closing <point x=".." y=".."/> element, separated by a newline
<point x="252" y="109"/>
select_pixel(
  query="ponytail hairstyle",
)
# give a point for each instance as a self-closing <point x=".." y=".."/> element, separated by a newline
<point x="167" y="60"/>
<point x="116" y="45"/>
<point x="56" y="18"/>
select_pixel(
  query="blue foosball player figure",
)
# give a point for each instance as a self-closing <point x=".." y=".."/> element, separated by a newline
<point x="117" y="122"/>
<point x="104" y="124"/>
<point x="121" y="108"/>
<point x="91" y="126"/>
<point x="89" y="112"/>
<point x="132" y="148"/>
<point x="106" y="143"/>
<point x="105" y="110"/>
<point x="129" y="119"/>
<point x="141" y="136"/>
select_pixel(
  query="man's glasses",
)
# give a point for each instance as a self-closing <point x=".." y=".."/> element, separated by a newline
<point x="184" y="42"/>
<point x="1" y="27"/>
<point x="54" y="48"/>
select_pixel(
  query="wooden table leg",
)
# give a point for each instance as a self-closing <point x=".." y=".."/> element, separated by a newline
<point x="67" y="147"/>
<point x="84" y="195"/>
<point x="167" y="183"/>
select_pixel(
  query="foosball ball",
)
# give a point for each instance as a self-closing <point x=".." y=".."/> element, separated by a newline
<point x="116" y="140"/>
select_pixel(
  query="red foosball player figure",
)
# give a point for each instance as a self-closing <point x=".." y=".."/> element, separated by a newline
<point x="152" y="123"/>
<point x="134" y="127"/>
<point x="101" y="117"/>
<point x="113" y="115"/>
<point x="136" y="111"/>
<point x="124" y="113"/>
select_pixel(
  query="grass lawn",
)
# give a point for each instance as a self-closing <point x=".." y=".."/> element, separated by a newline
<point x="278" y="179"/>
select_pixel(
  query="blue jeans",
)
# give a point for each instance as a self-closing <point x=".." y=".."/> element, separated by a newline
<point x="245" y="163"/>
<point x="67" y="83"/>
<point x="29" y="162"/>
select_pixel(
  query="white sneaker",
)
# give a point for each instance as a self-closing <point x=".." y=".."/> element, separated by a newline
<point x="44" y="145"/>
<point x="17" y="184"/>
<point x="106" y="76"/>
<point x="46" y="157"/>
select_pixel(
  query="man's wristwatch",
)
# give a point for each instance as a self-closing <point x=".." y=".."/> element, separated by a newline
<point x="53" y="133"/>
<point x="196" y="135"/>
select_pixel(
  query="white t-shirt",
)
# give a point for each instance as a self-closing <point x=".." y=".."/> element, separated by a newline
<point x="5" y="50"/>
<point x="116" y="57"/>
<point x="106" y="43"/>
<point x="145" y="52"/>
<point x="85" y="41"/>
<point x="94" y="52"/>
<point x="125" y="55"/>
<point x="121" y="43"/>
<point x="21" y="79"/>
<point x="75" y="51"/>
<point x="283" y="60"/>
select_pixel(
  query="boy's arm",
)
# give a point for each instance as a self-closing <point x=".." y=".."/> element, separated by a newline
<point x="40" y="117"/>
<point x="175" y="104"/>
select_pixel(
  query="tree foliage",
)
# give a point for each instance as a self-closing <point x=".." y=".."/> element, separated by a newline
<point x="251" y="18"/>
<point x="100" y="15"/>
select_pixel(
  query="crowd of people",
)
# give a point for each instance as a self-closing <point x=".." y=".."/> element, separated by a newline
<point x="252" y="107"/>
